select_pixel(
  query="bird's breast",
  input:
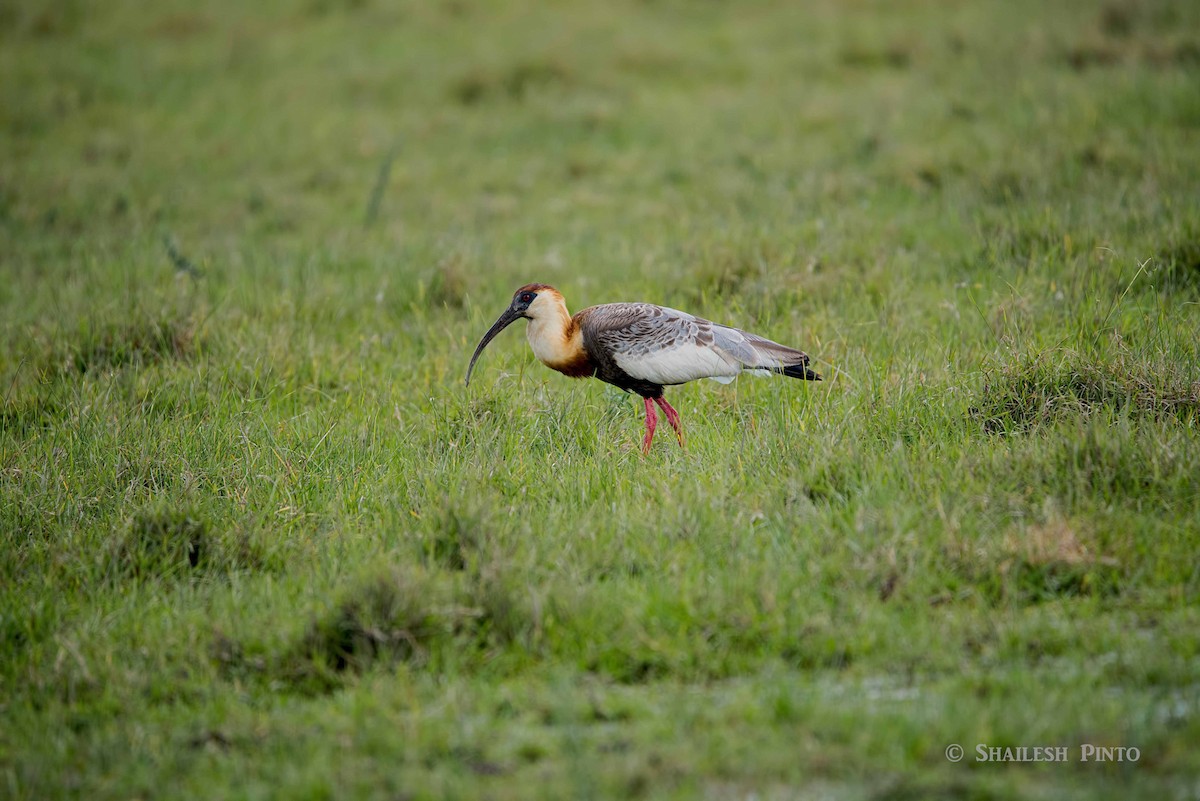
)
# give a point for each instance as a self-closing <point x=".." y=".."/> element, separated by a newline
<point x="578" y="366"/>
<point x="560" y="348"/>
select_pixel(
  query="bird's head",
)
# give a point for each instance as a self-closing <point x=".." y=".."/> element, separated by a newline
<point x="533" y="302"/>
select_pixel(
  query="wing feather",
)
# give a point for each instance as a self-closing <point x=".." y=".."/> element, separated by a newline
<point x="668" y="346"/>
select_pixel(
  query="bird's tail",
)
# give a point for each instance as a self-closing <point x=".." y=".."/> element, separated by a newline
<point x="756" y="354"/>
<point x="799" y="371"/>
<point x="781" y="359"/>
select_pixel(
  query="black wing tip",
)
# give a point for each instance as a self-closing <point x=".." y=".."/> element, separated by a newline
<point x="800" y="371"/>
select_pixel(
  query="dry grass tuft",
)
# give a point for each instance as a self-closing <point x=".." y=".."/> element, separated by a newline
<point x="1057" y="541"/>
<point x="1055" y="558"/>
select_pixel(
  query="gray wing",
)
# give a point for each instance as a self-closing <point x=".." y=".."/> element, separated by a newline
<point x="668" y="346"/>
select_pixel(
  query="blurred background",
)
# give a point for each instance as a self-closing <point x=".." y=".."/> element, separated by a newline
<point x="675" y="148"/>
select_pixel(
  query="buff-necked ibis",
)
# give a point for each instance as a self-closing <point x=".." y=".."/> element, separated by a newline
<point x="640" y="347"/>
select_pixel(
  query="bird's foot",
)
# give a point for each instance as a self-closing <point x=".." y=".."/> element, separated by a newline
<point x="672" y="418"/>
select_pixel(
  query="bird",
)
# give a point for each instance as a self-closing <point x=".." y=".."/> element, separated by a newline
<point x="640" y="348"/>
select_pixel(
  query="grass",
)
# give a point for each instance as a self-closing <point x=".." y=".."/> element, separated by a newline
<point x="257" y="539"/>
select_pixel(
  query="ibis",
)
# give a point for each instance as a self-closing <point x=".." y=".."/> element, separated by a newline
<point x="640" y="348"/>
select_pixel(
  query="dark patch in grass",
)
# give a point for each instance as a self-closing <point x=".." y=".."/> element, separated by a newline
<point x="527" y="76"/>
<point x="402" y="618"/>
<point x="169" y="541"/>
<point x="1093" y="156"/>
<point x="625" y="667"/>
<point x="473" y="760"/>
<point x="392" y="616"/>
<point x="910" y="789"/>
<point x="1179" y="266"/>
<point x="1086" y="55"/>
<point x="888" y="584"/>
<point x="456" y="542"/>
<point x="1033" y="582"/>
<point x="133" y="343"/>
<point x="819" y="649"/>
<point x="162" y="541"/>
<point x="1171" y="55"/>
<point x="895" y="55"/>
<point x="929" y="176"/>
<point x="23" y="623"/>
<point x="449" y="284"/>
<point x="180" y="26"/>
<point x="831" y="483"/>
<point x="24" y="417"/>
<point x="1024" y="394"/>
<point x="470" y="89"/>
<point x="51" y="18"/>
<point x="1117" y="19"/>
<point x="1000" y="187"/>
<point x="321" y="8"/>
<point x="619" y="567"/>
<point x="515" y="83"/>
<point x="8" y="201"/>
<point x="462" y="538"/>
<point x="503" y="615"/>
<point x="1154" y="51"/>
<point x="224" y="650"/>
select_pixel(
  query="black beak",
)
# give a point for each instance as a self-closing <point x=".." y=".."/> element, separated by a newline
<point x="508" y="318"/>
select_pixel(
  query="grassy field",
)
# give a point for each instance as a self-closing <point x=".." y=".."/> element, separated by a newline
<point x="256" y="540"/>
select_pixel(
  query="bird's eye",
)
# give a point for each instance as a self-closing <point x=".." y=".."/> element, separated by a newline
<point x="527" y="297"/>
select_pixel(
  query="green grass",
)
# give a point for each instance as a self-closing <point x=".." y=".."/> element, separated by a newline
<point x="257" y="540"/>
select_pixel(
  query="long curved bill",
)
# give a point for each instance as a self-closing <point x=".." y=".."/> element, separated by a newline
<point x="505" y="320"/>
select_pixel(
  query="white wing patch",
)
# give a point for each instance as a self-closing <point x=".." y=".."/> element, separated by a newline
<point x="678" y="365"/>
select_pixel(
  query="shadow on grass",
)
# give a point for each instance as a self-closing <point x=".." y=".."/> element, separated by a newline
<point x="396" y="617"/>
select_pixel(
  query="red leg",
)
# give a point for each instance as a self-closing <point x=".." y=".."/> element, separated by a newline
<point x="672" y="418"/>
<point x="651" y="422"/>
